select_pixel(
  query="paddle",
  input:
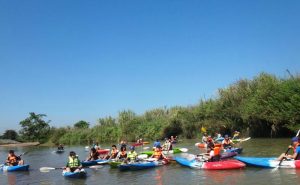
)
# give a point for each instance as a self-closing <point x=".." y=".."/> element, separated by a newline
<point x="184" y="150"/>
<point x="285" y="153"/>
<point x="48" y="169"/>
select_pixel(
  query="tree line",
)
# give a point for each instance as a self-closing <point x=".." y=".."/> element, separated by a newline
<point x="265" y="106"/>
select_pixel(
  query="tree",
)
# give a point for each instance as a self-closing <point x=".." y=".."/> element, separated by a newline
<point x="10" y="134"/>
<point x="81" y="124"/>
<point x="34" y="128"/>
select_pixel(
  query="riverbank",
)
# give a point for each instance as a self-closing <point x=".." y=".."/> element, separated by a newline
<point x="20" y="144"/>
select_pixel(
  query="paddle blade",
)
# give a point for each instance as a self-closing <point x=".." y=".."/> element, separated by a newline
<point x="184" y="149"/>
<point x="146" y="148"/>
<point x="142" y="156"/>
<point x="46" y="169"/>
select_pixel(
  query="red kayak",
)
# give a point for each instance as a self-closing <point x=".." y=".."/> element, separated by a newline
<point x="103" y="151"/>
<point x="140" y="144"/>
<point x="218" y="165"/>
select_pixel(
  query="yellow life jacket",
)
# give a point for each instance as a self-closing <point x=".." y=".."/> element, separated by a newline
<point x="157" y="155"/>
<point x="73" y="162"/>
<point x="132" y="155"/>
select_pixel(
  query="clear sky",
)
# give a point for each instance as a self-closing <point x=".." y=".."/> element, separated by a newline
<point x="76" y="60"/>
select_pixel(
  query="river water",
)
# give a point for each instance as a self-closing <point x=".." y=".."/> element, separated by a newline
<point x="170" y="174"/>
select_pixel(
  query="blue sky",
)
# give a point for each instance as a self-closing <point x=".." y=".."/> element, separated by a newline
<point x="82" y="60"/>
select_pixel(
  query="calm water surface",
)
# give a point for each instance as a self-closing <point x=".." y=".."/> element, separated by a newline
<point x="171" y="174"/>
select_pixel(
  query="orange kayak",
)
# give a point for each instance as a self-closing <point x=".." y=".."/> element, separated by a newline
<point x="204" y="145"/>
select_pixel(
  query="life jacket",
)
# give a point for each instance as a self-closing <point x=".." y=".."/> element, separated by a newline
<point x="157" y="155"/>
<point x="123" y="155"/>
<point x="132" y="155"/>
<point x="226" y="144"/>
<point x="73" y="162"/>
<point x="13" y="160"/>
<point x="114" y="153"/>
<point x="217" y="151"/>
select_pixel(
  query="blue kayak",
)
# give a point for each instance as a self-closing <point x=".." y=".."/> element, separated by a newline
<point x="94" y="162"/>
<point x="15" y="168"/>
<point x="79" y="174"/>
<point x="59" y="151"/>
<point x="140" y="165"/>
<point x="269" y="162"/>
<point x="237" y="150"/>
<point x="264" y="162"/>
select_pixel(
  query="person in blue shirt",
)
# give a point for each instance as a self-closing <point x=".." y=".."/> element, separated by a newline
<point x="296" y="147"/>
<point x="156" y="144"/>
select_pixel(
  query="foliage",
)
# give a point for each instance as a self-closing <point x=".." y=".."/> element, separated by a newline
<point x="81" y="124"/>
<point x="10" y="134"/>
<point x="34" y="128"/>
<point x="266" y="106"/>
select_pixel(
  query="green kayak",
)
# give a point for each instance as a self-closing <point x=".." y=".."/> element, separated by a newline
<point x="114" y="164"/>
<point x="174" y="151"/>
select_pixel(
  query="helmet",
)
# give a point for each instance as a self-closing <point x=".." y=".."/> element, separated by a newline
<point x="226" y="136"/>
<point x="132" y="148"/>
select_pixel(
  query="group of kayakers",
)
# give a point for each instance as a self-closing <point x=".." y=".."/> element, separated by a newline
<point x="214" y="147"/>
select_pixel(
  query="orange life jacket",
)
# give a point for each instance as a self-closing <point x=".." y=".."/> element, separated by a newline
<point x="12" y="159"/>
<point x="157" y="155"/>
<point x="217" y="151"/>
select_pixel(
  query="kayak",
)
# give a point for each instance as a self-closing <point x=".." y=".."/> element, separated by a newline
<point x="140" y="144"/>
<point x="204" y="145"/>
<point x="227" y="155"/>
<point x="59" y="151"/>
<point x="103" y="151"/>
<point x="174" y="151"/>
<point x="114" y="164"/>
<point x="79" y="174"/>
<point x="269" y="162"/>
<point x="141" y="165"/>
<point x="218" y="165"/>
<point x="237" y="150"/>
<point x="220" y="139"/>
<point x="14" y="168"/>
<point x="94" y="162"/>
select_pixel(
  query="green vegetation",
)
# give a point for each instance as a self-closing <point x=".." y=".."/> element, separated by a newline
<point x="266" y="106"/>
<point x="34" y="128"/>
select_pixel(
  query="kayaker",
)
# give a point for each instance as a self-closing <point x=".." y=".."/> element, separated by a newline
<point x="167" y="145"/>
<point x="123" y="144"/>
<point x="173" y="139"/>
<point x="73" y="164"/>
<point x="158" y="154"/>
<point x="97" y="146"/>
<point x="236" y="135"/>
<point x="212" y="155"/>
<point x="131" y="155"/>
<point x="296" y="147"/>
<point x="113" y="153"/>
<point x="93" y="155"/>
<point x="227" y="142"/>
<point x="204" y="138"/>
<point x="13" y="160"/>
<point x="60" y="147"/>
<point x="210" y="143"/>
<point x="122" y="154"/>
<point x="156" y="144"/>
